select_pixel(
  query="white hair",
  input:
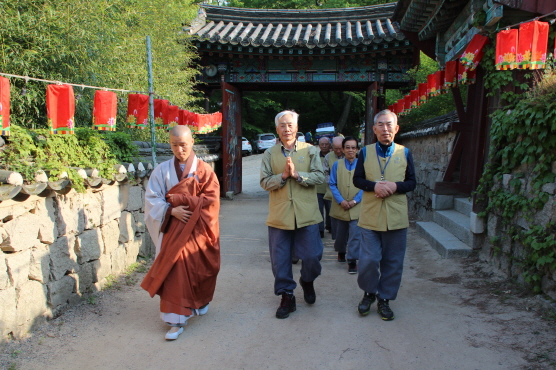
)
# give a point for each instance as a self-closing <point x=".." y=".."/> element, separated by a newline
<point x="294" y="115"/>
<point x="384" y="113"/>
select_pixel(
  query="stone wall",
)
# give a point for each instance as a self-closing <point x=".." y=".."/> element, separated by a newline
<point x="58" y="248"/>
<point x="499" y="248"/>
<point x="431" y="145"/>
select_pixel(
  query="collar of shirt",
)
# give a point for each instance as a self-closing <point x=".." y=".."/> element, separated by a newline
<point x="284" y="150"/>
<point x="350" y="166"/>
<point x="385" y="151"/>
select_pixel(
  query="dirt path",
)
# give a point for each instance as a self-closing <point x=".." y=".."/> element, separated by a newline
<point x="450" y="314"/>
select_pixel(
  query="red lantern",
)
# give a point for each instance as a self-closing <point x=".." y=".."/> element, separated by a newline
<point x="407" y="104"/>
<point x="60" y="109"/>
<point x="423" y="93"/>
<point x="105" y="109"/>
<point x="532" y="45"/>
<point x="450" y="75"/>
<point x="172" y="115"/>
<point x="474" y="52"/>
<point x="414" y="98"/>
<point x="391" y="108"/>
<point x="137" y="111"/>
<point x="434" y="83"/>
<point x="5" y="106"/>
<point x="466" y="76"/>
<point x="400" y="105"/>
<point x="160" y="106"/>
<point x="506" y="49"/>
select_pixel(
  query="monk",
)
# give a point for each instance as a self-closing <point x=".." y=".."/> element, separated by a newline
<point x="181" y="213"/>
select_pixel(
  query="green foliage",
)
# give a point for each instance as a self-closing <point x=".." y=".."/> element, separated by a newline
<point x="523" y="135"/>
<point x="29" y="151"/>
<point x="99" y="43"/>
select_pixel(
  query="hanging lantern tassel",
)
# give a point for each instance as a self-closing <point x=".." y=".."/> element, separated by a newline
<point x="137" y="111"/>
<point x="5" y="106"/>
<point x="532" y="45"/>
<point x="172" y="116"/>
<point x="105" y="110"/>
<point x="60" y="109"/>
<point x="506" y="49"/>
<point x="422" y="93"/>
<point x="160" y="106"/>
<point x="474" y="52"/>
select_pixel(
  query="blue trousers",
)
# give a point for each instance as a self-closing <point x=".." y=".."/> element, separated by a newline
<point x="306" y="245"/>
<point x="324" y="205"/>
<point x="381" y="261"/>
<point x="348" y="237"/>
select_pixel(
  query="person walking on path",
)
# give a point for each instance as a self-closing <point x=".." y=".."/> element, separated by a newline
<point x="182" y="202"/>
<point x="329" y="159"/>
<point x="346" y="205"/>
<point x="385" y="173"/>
<point x="290" y="172"/>
<point x="324" y="204"/>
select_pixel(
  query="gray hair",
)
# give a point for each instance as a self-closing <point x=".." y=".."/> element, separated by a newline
<point x="294" y="115"/>
<point x="384" y="113"/>
<point x="325" y="138"/>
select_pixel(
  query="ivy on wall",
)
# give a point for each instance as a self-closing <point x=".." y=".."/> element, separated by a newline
<point x="523" y="143"/>
<point x="36" y="150"/>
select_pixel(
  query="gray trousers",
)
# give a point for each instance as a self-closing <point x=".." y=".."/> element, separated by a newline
<point x="381" y="261"/>
<point x="348" y="237"/>
<point x="324" y="205"/>
<point x="306" y="245"/>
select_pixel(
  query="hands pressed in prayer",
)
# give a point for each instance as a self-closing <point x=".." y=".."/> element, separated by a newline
<point x="182" y="213"/>
<point x="384" y="189"/>
<point x="289" y="170"/>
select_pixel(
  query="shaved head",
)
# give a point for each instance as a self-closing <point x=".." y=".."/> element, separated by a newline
<point x="180" y="130"/>
<point x="324" y="140"/>
<point x="337" y="146"/>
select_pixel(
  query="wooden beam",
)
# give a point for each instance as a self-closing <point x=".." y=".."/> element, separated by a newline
<point x="427" y="46"/>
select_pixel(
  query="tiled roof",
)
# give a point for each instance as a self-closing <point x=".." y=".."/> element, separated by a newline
<point x="296" y="28"/>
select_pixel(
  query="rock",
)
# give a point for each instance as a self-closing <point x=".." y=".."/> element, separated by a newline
<point x="69" y="213"/>
<point x="62" y="257"/>
<point x="127" y="227"/>
<point x="11" y="209"/>
<point x="8" y="311"/>
<point x="86" y="278"/>
<point x="549" y="188"/>
<point x="132" y="250"/>
<point x="135" y="200"/>
<point x="18" y="267"/>
<point x="92" y="210"/>
<point x="39" y="266"/>
<point x="543" y="216"/>
<point x="89" y="245"/>
<point x="31" y="307"/>
<point x="118" y="259"/>
<point x="124" y="195"/>
<point x="18" y="240"/>
<point x="110" y="236"/>
<point x="61" y="291"/>
<point x="4" y="277"/>
<point x="147" y="248"/>
<point x="493" y="225"/>
<point x="101" y="268"/>
<point x="48" y="232"/>
<point x="139" y="218"/>
<point x="111" y="208"/>
<point x="506" y="178"/>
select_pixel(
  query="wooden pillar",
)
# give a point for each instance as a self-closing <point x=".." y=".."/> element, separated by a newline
<point x="371" y="108"/>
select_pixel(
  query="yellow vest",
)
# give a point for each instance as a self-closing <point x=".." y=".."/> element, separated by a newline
<point x="321" y="188"/>
<point x="293" y="205"/>
<point x="389" y="213"/>
<point x="348" y="191"/>
<point x="331" y="160"/>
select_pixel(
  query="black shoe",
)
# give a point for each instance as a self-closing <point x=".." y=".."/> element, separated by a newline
<point x="287" y="305"/>
<point x="328" y="228"/>
<point x="341" y="257"/>
<point x="322" y="234"/>
<point x="384" y="310"/>
<point x="308" y="291"/>
<point x="352" y="267"/>
<point x="295" y="260"/>
<point x="365" y="305"/>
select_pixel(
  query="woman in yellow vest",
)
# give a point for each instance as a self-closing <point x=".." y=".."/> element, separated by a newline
<point x="385" y="173"/>
<point x="346" y="205"/>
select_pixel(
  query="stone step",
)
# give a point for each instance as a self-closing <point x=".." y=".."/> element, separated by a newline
<point x="446" y="244"/>
<point x="463" y="205"/>
<point x="456" y="223"/>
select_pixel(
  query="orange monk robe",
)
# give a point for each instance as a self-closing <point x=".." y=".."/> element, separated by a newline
<point x="184" y="272"/>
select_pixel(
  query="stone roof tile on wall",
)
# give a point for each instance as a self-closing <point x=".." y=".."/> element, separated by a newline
<point x="296" y="28"/>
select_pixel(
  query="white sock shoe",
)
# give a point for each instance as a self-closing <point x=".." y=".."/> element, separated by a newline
<point x="174" y="335"/>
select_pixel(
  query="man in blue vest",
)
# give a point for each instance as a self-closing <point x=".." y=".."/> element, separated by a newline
<point x="385" y="173"/>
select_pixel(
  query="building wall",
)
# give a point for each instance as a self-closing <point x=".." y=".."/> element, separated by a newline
<point x="57" y="249"/>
